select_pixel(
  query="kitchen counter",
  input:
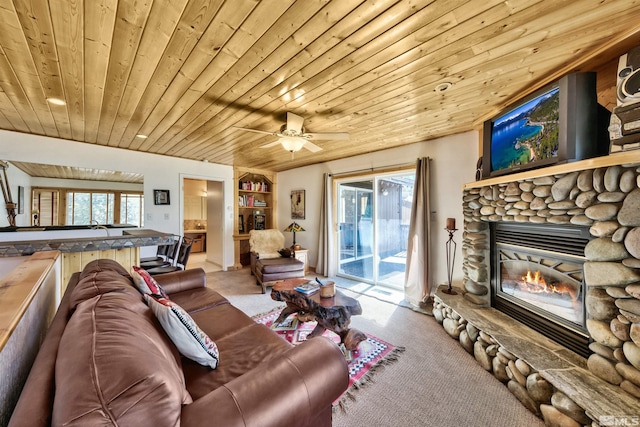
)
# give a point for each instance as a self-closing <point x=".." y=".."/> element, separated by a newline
<point x="130" y="238"/>
<point x="62" y="227"/>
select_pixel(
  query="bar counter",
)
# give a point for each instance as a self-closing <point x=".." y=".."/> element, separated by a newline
<point x="30" y="242"/>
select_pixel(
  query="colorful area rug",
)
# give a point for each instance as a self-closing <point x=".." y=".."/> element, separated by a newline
<point x="371" y="355"/>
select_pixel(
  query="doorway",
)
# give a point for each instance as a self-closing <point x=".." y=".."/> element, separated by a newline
<point x="373" y="225"/>
<point x="203" y="209"/>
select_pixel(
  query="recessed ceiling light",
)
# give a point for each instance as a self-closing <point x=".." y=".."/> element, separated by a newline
<point x="443" y="86"/>
<point x="141" y="136"/>
<point x="56" y="101"/>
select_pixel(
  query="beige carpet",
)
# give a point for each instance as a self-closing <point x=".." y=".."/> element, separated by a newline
<point x="435" y="382"/>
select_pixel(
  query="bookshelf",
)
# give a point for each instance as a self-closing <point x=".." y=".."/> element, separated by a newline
<point x="255" y="191"/>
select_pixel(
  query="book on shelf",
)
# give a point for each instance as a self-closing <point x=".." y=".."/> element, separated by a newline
<point x="308" y="288"/>
<point x="250" y="201"/>
<point x="254" y="186"/>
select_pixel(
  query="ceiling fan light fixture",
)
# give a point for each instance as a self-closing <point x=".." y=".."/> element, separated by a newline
<point x="292" y="144"/>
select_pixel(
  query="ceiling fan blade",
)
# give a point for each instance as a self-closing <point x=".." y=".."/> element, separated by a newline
<point x="258" y="131"/>
<point x="294" y="123"/>
<point x="336" y="136"/>
<point x="312" y="147"/>
<point x="271" y="144"/>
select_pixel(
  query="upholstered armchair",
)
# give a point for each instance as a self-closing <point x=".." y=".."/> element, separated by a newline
<point x="266" y="262"/>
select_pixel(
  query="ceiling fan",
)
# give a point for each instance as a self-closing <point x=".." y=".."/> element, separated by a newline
<point x="292" y="136"/>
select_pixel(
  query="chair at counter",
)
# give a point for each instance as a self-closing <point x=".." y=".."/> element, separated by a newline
<point x="180" y="261"/>
<point x="162" y="260"/>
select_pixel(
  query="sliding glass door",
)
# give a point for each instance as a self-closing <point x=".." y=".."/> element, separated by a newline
<point x="373" y="222"/>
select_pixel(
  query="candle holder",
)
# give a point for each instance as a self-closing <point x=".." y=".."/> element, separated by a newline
<point x="451" y="258"/>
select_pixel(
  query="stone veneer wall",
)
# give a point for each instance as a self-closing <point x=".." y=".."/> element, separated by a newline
<point x="605" y="199"/>
<point x="536" y="393"/>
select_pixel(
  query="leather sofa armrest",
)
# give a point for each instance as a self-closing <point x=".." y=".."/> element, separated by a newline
<point x="183" y="280"/>
<point x="290" y="390"/>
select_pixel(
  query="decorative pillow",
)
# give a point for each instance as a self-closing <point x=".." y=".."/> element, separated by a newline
<point x="190" y="340"/>
<point x="146" y="283"/>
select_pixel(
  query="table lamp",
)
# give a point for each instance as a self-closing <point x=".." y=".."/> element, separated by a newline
<point x="294" y="227"/>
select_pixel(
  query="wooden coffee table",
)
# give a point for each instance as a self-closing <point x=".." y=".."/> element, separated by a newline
<point x="333" y="313"/>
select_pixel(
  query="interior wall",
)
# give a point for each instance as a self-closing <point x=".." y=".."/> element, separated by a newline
<point x="215" y="217"/>
<point x="453" y="164"/>
<point x="160" y="172"/>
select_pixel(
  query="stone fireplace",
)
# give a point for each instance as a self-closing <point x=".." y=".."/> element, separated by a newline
<point x="591" y="289"/>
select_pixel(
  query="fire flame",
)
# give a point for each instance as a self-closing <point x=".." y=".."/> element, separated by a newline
<point x="536" y="283"/>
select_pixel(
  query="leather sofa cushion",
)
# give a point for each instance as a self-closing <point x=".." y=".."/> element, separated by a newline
<point x="279" y="265"/>
<point x="182" y="280"/>
<point x="239" y="353"/>
<point x="103" y="265"/>
<point x="194" y="300"/>
<point x="99" y="282"/>
<point x="221" y="321"/>
<point x="115" y="366"/>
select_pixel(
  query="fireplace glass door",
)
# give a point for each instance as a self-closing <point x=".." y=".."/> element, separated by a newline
<point x="550" y="283"/>
<point x="537" y="279"/>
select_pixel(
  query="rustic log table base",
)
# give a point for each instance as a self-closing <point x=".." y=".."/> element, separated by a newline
<point x="333" y="313"/>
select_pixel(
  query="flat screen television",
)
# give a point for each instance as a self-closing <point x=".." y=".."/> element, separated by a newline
<point x="559" y="123"/>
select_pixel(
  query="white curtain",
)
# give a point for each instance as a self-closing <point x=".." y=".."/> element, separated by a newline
<point x="325" y="240"/>
<point x="417" y="287"/>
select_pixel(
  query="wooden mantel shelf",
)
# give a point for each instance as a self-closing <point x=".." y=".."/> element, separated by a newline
<point x="619" y="158"/>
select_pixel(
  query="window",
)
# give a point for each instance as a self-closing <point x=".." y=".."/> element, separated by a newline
<point x="87" y="207"/>
<point x="131" y="209"/>
<point x="64" y="206"/>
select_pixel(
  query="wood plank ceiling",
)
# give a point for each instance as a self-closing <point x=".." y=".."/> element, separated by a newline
<point x="185" y="73"/>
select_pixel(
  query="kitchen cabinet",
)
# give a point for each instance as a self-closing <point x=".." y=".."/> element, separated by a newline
<point x="199" y="241"/>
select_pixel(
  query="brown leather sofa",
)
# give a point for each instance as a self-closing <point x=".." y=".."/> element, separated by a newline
<point x="266" y="262"/>
<point x="107" y="361"/>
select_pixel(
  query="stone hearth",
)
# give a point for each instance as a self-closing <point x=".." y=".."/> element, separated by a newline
<point x="605" y="196"/>
<point x="549" y="380"/>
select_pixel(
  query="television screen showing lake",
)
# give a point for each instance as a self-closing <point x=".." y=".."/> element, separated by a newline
<point x="526" y="134"/>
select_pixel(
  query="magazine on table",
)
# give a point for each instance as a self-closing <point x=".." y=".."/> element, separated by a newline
<point x="308" y="288"/>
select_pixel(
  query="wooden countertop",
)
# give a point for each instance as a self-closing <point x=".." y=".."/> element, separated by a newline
<point x="19" y="287"/>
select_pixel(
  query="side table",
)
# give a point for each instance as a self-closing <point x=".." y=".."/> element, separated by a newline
<point x="302" y="255"/>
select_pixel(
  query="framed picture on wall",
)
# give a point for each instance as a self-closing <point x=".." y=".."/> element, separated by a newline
<point x="297" y="204"/>
<point x="161" y="197"/>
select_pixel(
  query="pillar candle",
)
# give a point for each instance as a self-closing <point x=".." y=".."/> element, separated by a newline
<point x="451" y="223"/>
